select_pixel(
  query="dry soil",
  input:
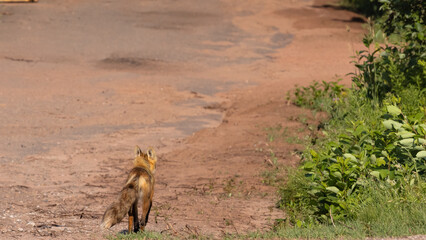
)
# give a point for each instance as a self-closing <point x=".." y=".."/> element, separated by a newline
<point x="83" y="82"/>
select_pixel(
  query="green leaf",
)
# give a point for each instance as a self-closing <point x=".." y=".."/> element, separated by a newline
<point x="394" y="110"/>
<point x="314" y="154"/>
<point x="333" y="189"/>
<point x="380" y="162"/>
<point x="360" y="129"/>
<point x="383" y="172"/>
<point x="391" y="124"/>
<point x="350" y="156"/>
<point x="406" y="134"/>
<point x="379" y="36"/>
<point x="308" y="165"/>
<point x="420" y="36"/>
<point x="408" y="142"/>
<point x="337" y="175"/>
<point x="341" y="184"/>
<point x="375" y="173"/>
<point x="418" y="26"/>
<point x="421" y="154"/>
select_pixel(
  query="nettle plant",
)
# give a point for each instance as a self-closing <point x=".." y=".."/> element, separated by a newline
<point x="394" y="154"/>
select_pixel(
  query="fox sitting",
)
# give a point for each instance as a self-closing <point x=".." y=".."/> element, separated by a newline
<point x="139" y="187"/>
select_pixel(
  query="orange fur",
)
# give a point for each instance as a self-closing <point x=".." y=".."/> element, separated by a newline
<point x="139" y="187"/>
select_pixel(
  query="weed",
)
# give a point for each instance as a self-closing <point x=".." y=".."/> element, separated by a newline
<point x="229" y="186"/>
<point x="276" y="132"/>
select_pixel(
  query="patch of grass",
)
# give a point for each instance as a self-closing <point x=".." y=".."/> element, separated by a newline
<point x="382" y="212"/>
<point x="272" y="177"/>
<point x="140" y="235"/>
<point x="385" y="211"/>
<point x="276" y="132"/>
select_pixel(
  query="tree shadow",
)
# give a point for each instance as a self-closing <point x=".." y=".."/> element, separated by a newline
<point x="352" y="20"/>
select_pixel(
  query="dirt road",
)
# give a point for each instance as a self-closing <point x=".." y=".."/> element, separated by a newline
<point x="82" y="82"/>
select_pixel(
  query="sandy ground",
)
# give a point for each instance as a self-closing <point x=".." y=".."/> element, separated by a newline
<point x="83" y="82"/>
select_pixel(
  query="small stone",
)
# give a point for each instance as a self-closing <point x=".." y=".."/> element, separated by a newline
<point x="20" y="229"/>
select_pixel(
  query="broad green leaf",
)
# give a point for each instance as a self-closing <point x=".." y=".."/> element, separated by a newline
<point x="379" y="36"/>
<point x="350" y="156"/>
<point x="407" y="142"/>
<point x="421" y="154"/>
<point x="375" y="173"/>
<point x="313" y="192"/>
<point x="359" y="130"/>
<point x="419" y="148"/>
<point x="406" y="134"/>
<point x="383" y="172"/>
<point x="338" y="175"/>
<point x="308" y="165"/>
<point x="391" y="124"/>
<point x="314" y="154"/>
<point x="380" y="162"/>
<point x="341" y="184"/>
<point x="333" y="189"/>
<point x="394" y="110"/>
<point x="392" y="175"/>
<point x="418" y="26"/>
<point x="390" y="147"/>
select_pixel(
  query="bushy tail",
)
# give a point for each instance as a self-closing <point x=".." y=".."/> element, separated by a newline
<point x="116" y="211"/>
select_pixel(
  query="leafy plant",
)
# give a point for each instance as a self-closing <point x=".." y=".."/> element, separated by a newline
<point x="369" y="8"/>
<point x="320" y="96"/>
<point x="396" y="50"/>
<point x="395" y="154"/>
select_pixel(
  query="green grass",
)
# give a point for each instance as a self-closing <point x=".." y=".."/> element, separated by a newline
<point x="381" y="213"/>
<point x="156" y="235"/>
<point x="140" y="235"/>
<point x="388" y="212"/>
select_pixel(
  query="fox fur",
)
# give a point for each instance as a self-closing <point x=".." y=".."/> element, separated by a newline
<point x="139" y="187"/>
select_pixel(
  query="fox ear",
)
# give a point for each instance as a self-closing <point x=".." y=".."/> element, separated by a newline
<point x="151" y="153"/>
<point x="138" y="151"/>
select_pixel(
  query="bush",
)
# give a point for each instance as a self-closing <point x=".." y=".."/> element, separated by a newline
<point x="370" y="8"/>
<point x="398" y="57"/>
<point x="369" y="170"/>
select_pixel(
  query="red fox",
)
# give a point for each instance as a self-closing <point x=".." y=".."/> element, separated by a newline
<point x="139" y="187"/>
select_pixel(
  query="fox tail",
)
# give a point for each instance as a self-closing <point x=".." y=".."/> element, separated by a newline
<point x="116" y="211"/>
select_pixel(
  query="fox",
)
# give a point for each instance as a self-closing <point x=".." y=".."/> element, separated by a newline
<point x="139" y="187"/>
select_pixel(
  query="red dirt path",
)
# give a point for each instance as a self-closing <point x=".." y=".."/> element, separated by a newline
<point x="85" y="81"/>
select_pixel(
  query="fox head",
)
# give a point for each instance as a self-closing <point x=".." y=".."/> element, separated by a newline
<point x="147" y="160"/>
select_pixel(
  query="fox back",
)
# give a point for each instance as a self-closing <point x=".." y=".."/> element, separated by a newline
<point x="139" y="188"/>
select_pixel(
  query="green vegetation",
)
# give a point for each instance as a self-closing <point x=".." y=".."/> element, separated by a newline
<point x="140" y="235"/>
<point x="367" y="7"/>
<point x="366" y="175"/>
